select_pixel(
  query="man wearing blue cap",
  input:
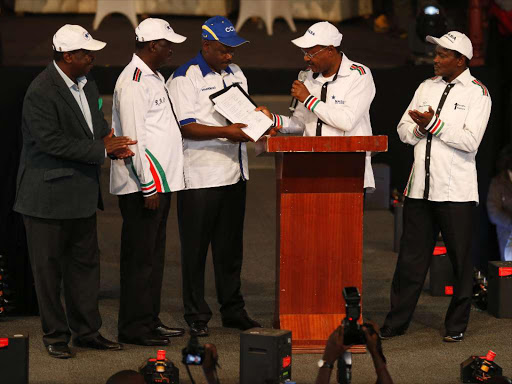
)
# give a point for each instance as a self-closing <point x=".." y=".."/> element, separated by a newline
<point x="211" y="209"/>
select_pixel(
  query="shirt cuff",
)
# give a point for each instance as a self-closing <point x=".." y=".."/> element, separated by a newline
<point x="277" y="120"/>
<point x="418" y="133"/>
<point x="435" y="126"/>
<point x="148" y="189"/>
<point x="311" y="102"/>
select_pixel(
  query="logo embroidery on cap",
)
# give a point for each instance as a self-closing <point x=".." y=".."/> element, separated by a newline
<point x="311" y="32"/>
<point x="449" y="35"/>
<point x="230" y="29"/>
<point x="87" y="36"/>
<point x="168" y="27"/>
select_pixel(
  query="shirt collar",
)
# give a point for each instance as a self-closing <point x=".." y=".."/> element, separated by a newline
<point x="346" y="63"/>
<point x="205" y="68"/>
<point x="70" y="83"/>
<point x="144" y="68"/>
<point x="464" y="78"/>
<point x="344" y="69"/>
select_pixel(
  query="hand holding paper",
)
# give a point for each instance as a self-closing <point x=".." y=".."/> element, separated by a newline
<point x="235" y="105"/>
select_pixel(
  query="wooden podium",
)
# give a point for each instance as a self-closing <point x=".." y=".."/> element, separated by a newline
<point x="319" y="230"/>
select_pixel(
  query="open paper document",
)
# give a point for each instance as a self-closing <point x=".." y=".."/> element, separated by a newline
<point x="236" y="106"/>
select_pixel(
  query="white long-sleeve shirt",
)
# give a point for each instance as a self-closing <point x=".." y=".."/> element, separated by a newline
<point x="345" y="112"/>
<point x="142" y="110"/>
<point x="456" y="135"/>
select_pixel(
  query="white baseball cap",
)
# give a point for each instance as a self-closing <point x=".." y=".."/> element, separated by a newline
<point x="456" y="41"/>
<point x="156" y="29"/>
<point x="72" y="37"/>
<point x="322" y="33"/>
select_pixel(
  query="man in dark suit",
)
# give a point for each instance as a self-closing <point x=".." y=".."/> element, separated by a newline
<point x="65" y="140"/>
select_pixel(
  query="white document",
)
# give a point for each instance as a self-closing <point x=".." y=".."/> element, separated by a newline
<point x="237" y="107"/>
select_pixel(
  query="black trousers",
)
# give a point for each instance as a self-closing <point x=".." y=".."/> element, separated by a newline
<point x="142" y="264"/>
<point x="423" y="220"/>
<point x="65" y="253"/>
<point x="212" y="216"/>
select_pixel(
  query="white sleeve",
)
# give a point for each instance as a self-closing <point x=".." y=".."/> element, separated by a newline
<point x="133" y="103"/>
<point x="465" y="135"/>
<point x="184" y="96"/>
<point x="291" y="124"/>
<point x="346" y="116"/>
<point x="407" y="129"/>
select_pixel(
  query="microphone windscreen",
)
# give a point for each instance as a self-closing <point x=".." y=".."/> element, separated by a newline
<point x="303" y="75"/>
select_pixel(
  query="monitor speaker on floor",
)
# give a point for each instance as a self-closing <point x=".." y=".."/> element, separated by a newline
<point x="499" y="291"/>
<point x="14" y="359"/>
<point x="265" y="356"/>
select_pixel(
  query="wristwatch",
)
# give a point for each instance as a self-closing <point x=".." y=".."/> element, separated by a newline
<point x="322" y="363"/>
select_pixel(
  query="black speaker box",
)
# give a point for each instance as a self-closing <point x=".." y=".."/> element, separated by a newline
<point x="441" y="273"/>
<point x="14" y="359"/>
<point x="265" y="356"/>
<point x="499" y="289"/>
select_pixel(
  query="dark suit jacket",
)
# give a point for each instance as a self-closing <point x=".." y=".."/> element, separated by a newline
<point x="60" y="161"/>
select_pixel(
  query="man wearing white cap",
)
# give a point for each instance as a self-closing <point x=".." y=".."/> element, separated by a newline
<point x="143" y="110"/>
<point x="336" y="94"/>
<point x="65" y="141"/>
<point x="211" y="209"/>
<point x="445" y="123"/>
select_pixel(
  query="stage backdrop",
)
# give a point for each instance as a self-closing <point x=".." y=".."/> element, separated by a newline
<point x="332" y="10"/>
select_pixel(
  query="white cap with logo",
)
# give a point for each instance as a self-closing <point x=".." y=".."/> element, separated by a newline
<point x="157" y="29"/>
<point x="322" y="33"/>
<point x="456" y="41"/>
<point x="72" y="37"/>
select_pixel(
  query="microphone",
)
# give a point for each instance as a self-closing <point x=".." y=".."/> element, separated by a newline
<point x="303" y="75"/>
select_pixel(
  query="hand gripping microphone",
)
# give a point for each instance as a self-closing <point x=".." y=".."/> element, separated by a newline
<point x="303" y="75"/>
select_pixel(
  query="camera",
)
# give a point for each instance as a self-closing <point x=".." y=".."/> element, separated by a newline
<point x="352" y="332"/>
<point x="160" y="370"/>
<point x="193" y="353"/>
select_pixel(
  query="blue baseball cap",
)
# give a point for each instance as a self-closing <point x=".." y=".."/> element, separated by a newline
<point x="220" y="29"/>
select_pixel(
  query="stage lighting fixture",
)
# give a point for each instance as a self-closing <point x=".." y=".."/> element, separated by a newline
<point x="430" y="20"/>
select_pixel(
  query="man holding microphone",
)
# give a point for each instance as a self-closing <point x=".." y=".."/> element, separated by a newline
<point x="335" y="97"/>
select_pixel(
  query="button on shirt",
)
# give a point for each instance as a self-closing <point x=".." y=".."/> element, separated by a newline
<point x="142" y="111"/>
<point x="345" y="112"/>
<point x="456" y="135"/>
<point x="214" y="162"/>
<point x="77" y="90"/>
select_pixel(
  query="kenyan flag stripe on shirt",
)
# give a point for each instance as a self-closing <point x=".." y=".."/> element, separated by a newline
<point x="137" y="74"/>
<point x="484" y="89"/>
<point x="158" y="173"/>
<point x="358" y="68"/>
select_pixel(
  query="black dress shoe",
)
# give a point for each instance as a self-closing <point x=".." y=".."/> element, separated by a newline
<point x="243" y="322"/>
<point x="388" y="332"/>
<point x="199" y="329"/>
<point x="148" y="340"/>
<point x="166" y="331"/>
<point x="98" y="342"/>
<point x="454" y="337"/>
<point x="59" y="351"/>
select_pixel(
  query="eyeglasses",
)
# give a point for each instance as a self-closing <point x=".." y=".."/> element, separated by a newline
<point x="311" y="55"/>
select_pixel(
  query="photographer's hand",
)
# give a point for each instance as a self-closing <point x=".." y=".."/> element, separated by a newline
<point x="375" y="348"/>
<point x="334" y="349"/>
<point x="210" y="363"/>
